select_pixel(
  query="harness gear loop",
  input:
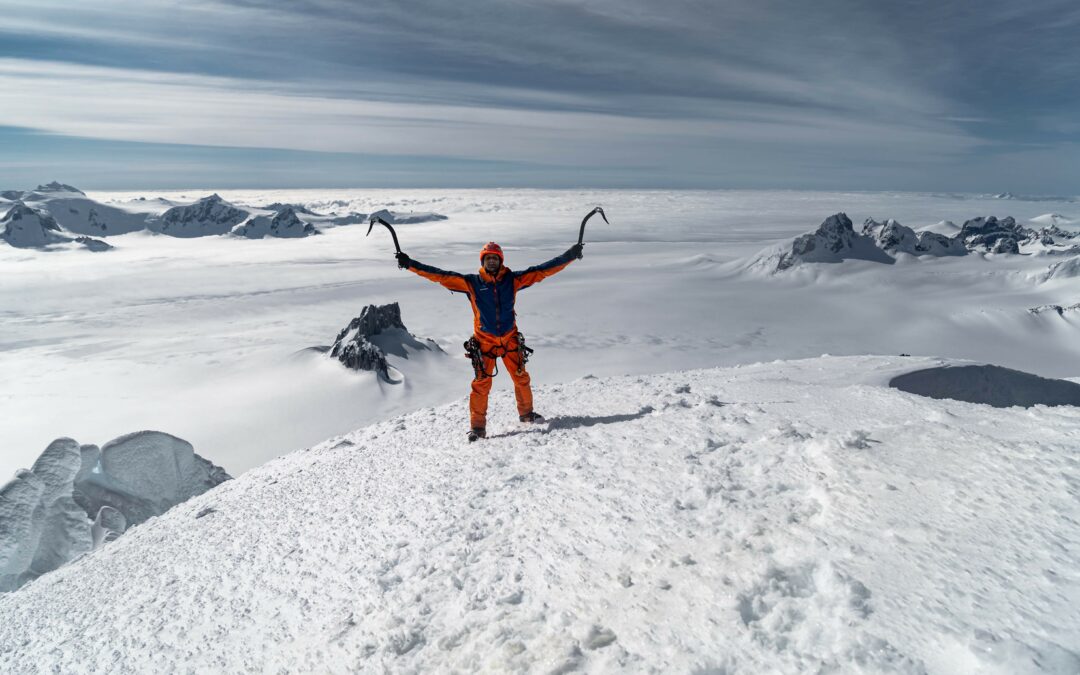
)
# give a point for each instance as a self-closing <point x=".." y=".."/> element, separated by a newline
<point x="477" y="355"/>
<point x="474" y="354"/>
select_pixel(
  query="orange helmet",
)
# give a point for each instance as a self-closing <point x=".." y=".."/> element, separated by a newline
<point x="491" y="248"/>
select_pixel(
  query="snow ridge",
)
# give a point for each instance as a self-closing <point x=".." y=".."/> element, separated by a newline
<point x="721" y="520"/>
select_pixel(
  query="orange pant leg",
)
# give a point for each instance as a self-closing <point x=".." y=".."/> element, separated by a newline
<point x="522" y="382"/>
<point x="478" y="398"/>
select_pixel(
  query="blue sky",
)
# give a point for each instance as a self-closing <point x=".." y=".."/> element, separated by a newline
<point x="831" y="94"/>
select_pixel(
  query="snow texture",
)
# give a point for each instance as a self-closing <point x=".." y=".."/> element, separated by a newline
<point x="723" y="520"/>
<point x="76" y="498"/>
<point x="992" y="385"/>
<point x="1066" y="269"/>
<point x="378" y="331"/>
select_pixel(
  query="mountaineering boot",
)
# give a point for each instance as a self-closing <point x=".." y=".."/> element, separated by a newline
<point x="477" y="432"/>
<point x="532" y="418"/>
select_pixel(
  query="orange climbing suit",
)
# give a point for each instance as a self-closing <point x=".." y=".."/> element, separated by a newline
<point x="494" y="324"/>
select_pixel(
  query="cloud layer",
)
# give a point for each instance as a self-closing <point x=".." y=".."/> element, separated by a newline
<point x="777" y="93"/>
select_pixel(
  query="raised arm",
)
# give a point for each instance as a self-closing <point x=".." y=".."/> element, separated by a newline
<point x="450" y="280"/>
<point x="538" y="273"/>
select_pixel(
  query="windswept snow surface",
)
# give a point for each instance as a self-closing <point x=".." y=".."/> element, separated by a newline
<point x="204" y="337"/>
<point x="786" y="517"/>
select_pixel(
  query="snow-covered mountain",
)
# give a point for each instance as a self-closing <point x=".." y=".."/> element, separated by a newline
<point x="76" y="498"/>
<point x="724" y="520"/>
<point x="26" y="227"/>
<point x="407" y="217"/>
<point x="77" y="213"/>
<point x="209" y="216"/>
<point x="284" y="223"/>
<point x="835" y="240"/>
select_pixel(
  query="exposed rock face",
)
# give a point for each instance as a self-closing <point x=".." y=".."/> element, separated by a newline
<point x="299" y="208"/>
<point x="396" y="218"/>
<point x="351" y="218"/>
<point x="985" y="233"/>
<point x="58" y="187"/>
<point x="76" y="498"/>
<point x="1005" y="245"/>
<point x="25" y="227"/>
<point x="893" y="237"/>
<point x="208" y="216"/>
<point x="284" y="223"/>
<point x="1053" y="234"/>
<point x="1057" y="309"/>
<point x="12" y="195"/>
<point x="834" y="241"/>
<point x="364" y="343"/>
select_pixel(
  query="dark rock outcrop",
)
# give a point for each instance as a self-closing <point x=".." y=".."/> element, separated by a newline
<point x="985" y="233"/>
<point x="893" y="237"/>
<point x="208" y="216"/>
<point x="284" y="223"/>
<point x="299" y="208"/>
<point x="378" y="331"/>
<point x="1057" y="309"/>
<point x="56" y="186"/>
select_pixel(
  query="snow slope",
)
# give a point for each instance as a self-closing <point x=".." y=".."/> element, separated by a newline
<point x="785" y="517"/>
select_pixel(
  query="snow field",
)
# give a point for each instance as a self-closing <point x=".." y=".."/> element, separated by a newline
<point x="780" y="517"/>
<point x="196" y="337"/>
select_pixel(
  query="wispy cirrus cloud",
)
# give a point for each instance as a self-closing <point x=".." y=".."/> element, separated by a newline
<point x="665" y="87"/>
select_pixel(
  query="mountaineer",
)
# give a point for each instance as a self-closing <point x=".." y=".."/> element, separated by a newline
<point x="492" y="291"/>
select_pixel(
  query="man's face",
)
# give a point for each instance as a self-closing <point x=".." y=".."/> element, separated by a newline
<point x="492" y="263"/>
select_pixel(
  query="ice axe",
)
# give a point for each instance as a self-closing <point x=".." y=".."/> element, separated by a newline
<point x="376" y="219"/>
<point x="590" y="214"/>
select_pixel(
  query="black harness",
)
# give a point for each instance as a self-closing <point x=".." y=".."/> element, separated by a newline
<point x="477" y="356"/>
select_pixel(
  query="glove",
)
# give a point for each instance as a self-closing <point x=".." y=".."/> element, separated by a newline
<point x="575" y="251"/>
<point x="403" y="261"/>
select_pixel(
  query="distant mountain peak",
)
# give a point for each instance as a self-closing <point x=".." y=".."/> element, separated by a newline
<point x="58" y="187"/>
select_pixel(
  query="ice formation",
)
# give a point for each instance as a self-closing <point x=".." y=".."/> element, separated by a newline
<point x="77" y="498"/>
